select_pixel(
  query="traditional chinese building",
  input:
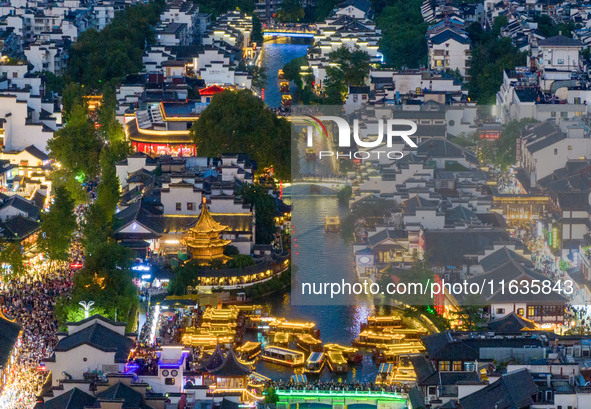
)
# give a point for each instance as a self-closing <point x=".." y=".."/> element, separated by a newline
<point x="230" y="377"/>
<point x="203" y="240"/>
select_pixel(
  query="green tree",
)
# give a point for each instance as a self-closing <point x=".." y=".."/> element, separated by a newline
<point x="501" y="152"/>
<point x="73" y="96"/>
<point x="259" y="76"/>
<point x="271" y="396"/>
<point x="240" y="122"/>
<point x="354" y="64"/>
<point x="257" y="30"/>
<point x="12" y="254"/>
<point x="77" y="145"/>
<point x="110" y="129"/>
<point x="100" y="56"/>
<point x="96" y="229"/>
<point x="491" y="55"/>
<point x="264" y="206"/>
<point x="345" y="194"/>
<point x="105" y="279"/>
<point x="403" y="41"/>
<point x="290" y="11"/>
<point x="67" y="179"/>
<point x="57" y="226"/>
<point x="107" y="195"/>
<point x="470" y="316"/>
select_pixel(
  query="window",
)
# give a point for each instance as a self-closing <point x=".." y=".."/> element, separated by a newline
<point x="553" y="114"/>
<point x="469" y="366"/>
<point x="190" y="205"/>
<point x="530" y="311"/>
<point x="14" y="74"/>
<point x="555" y="151"/>
<point x="444" y="365"/>
<point x="520" y="311"/>
<point x="432" y="390"/>
<point x="560" y="61"/>
<point x="500" y="310"/>
<point x="564" y="114"/>
<point x="457" y="366"/>
<point x="178" y="206"/>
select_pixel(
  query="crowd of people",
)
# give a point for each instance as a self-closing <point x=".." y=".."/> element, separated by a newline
<point x="332" y="385"/>
<point x="31" y="301"/>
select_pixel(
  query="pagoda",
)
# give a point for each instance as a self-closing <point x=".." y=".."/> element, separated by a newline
<point x="203" y="239"/>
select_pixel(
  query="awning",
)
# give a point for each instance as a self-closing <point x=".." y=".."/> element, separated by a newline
<point x="299" y="378"/>
<point x="386" y="368"/>
<point x="259" y="377"/>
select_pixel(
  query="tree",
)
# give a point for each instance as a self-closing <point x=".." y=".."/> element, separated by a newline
<point x="271" y="396"/>
<point x="110" y="129"/>
<point x="96" y="229"/>
<point x="354" y="64"/>
<point x="240" y="122"/>
<point x="501" y="152"/>
<point x="470" y="317"/>
<point x="99" y="56"/>
<point x="403" y="39"/>
<point x="107" y="195"/>
<point x="77" y="145"/>
<point x="345" y="194"/>
<point x="290" y="11"/>
<point x="12" y="254"/>
<point x="57" y="226"/>
<point x="257" y="30"/>
<point x="491" y="55"/>
<point x="259" y="76"/>
<point x="105" y="279"/>
<point x="264" y="206"/>
<point x="73" y="95"/>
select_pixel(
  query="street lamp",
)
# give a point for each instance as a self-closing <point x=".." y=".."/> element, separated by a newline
<point x="86" y="305"/>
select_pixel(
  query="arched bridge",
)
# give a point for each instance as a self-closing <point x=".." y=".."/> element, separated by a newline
<point x="340" y="399"/>
<point x="297" y="31"/>
<point x="329" y="182"/>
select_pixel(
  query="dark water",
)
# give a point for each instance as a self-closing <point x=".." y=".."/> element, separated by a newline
<point x="275" y="55"/>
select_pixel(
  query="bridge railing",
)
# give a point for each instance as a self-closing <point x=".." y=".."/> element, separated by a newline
<point x="323" y="393"/>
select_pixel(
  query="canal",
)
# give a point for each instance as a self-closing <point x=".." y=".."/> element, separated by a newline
<point x="337" y="323"/>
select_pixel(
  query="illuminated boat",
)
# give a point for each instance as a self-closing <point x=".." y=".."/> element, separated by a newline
<point x="249" y="350"/>
<point x="350" y="353"/>
<point x="315" y="363"/>
<point x="282" y="356"/>
<point x="293" y="327"/>
<point x="332" y="224"/>
<point x="337" y="362"/>
<point x="308" y="343"/>
<point x="286" y="100"/>
<point x="392" y="321"/>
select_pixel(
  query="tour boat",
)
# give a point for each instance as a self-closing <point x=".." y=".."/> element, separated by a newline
<point x="282" y="356"/>
<point x="315" y="363"/>
<point x="308" y="343"/>
<point x="392" y="321"/>
<point x="332" y="224"/>
<point x="284" y="87"/>
<point x="286" y="100"/>
<point x="337" y="362"/>
<point x="350" y="353"/>
<point x="249" y="351"/>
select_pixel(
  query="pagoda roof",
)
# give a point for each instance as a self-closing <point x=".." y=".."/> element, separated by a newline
<point x="206" y="223"/>
<point x="231" y="366"/>
<point x="215" y="360"/>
